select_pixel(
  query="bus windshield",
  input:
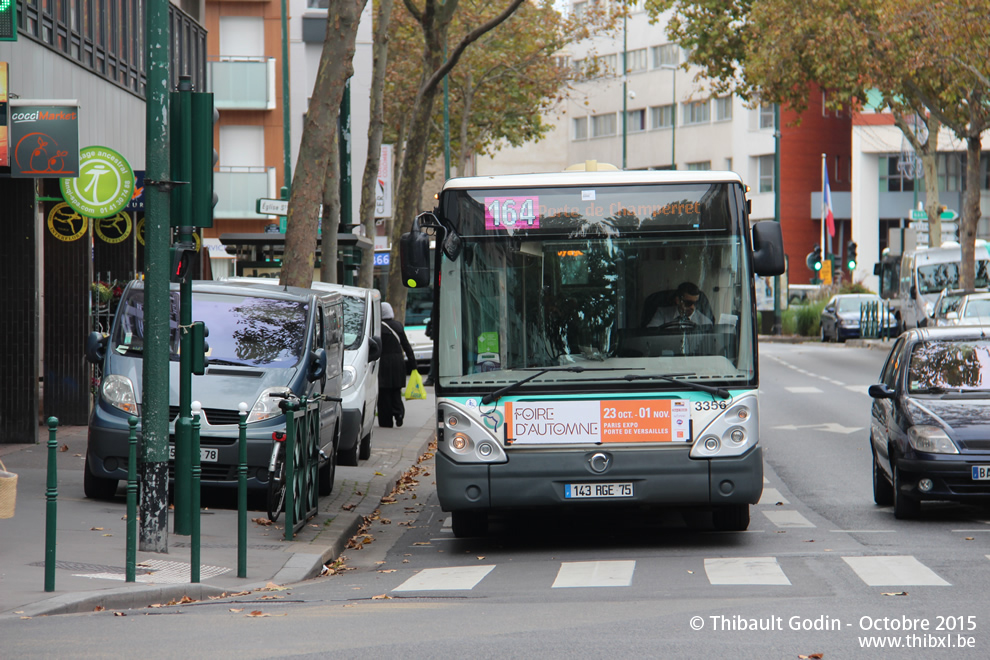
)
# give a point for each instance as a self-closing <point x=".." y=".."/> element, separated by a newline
<point x="632" y="283"/>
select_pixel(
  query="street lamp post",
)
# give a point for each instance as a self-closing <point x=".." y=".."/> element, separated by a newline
<point x="673" y="113"/>
<point x="625" y="93"/>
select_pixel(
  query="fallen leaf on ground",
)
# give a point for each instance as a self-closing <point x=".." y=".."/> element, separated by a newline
<point x="64" y="448"/>
<point x="77" y="455"/>
<point x="894" y="593"/>
<point x="264" y="522"/>
<point x="421" y="543"/>
<point x="386" y="570"/>
<point x="813" y="656"/>
<point x="272" y="597"/>
<point x="969" y="538"/>
<point x="181" y="601"/>
<point x="381" y="597"/>
<point x="379" y="474"/>
<point x="779" y="504"/>
<point x="99" y="608"/>
<point x="108" y="535"/>
<point x="348" y="507"/>
<point x="96" y="529"/>
<point x="119" y="614"/>
<point x="236" y="609"/>
<point x="25" y="617"/>
<point x="257" y="613"/>
<point x="240" y="593"/>
<point x="271" y="586"/>
<point x="691" y="572"/>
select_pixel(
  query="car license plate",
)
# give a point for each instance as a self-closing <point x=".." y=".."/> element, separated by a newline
<point x="206" y="454"/>
<point x="981" y="473"/>
<point x="573" y="491"/>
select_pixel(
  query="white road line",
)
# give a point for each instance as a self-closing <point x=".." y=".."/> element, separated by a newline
<point x="972" y="531"/>
<point x="803" y="390"/>
<point x="745" y="570"/>
<point x="898" y="571"/>
<point x="594" y="574"/>
<point x="859" y="389"/>
<point x="453" y="578"/>
<point x="788" y="518"/>
<point x="864" y="531"/>
<point x="772" y="496"/>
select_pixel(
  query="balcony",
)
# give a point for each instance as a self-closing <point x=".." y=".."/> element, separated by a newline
<point x="239" y="188"/>
<point x="243" y="83"/>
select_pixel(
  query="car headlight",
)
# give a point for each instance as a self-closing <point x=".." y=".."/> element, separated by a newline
<point x="348" y="378"/>
<point x="266" y="406"/>
<point x="118" y="391"/>
<point x="931" y="440"/>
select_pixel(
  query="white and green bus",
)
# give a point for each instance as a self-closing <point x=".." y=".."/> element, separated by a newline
<point x="559" y="383"/>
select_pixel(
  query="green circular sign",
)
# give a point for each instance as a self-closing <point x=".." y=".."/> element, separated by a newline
<point x="104" y="186"/>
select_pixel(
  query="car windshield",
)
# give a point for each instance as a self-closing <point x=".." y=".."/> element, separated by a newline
<point x="932" y="278"/>
<point x="241" y="329"/>
<point x="977" y="307"/>
<point x="848" y="304"/>
<point x="942" y="365"/>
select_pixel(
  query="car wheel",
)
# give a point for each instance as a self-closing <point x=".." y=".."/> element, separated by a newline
<point x="97" y="488"/>
<point x="731" y="518"/>
<point x="883" y="491"/>
<point x="328" y="472"/>
<point x="821" y="329"/>
<point x="364" y="452"/>
<point x="466" y="524"/>
<point x="905" y="506"/>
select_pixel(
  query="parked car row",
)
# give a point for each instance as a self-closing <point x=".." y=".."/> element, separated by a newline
<point x="840" y="319"/>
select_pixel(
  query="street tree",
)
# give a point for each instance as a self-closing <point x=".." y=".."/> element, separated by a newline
<point x="314" y="170"/>
<point x="434" y="19"/>
<point x="773" y="51"/>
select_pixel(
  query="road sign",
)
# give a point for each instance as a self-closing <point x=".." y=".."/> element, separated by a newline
<point x="919" y="215"/>
<point x="272" y="206"/>
<point x="948" y="214"/>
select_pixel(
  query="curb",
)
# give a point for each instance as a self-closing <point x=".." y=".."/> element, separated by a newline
<point x="300" y="566"/>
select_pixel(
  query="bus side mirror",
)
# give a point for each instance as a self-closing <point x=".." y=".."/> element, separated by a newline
<point x="414" y="253"/>
<point x="768" y="249"/>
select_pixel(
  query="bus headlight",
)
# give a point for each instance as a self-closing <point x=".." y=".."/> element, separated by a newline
<point x="465" y="439"/>
<point x="732" y="433"/>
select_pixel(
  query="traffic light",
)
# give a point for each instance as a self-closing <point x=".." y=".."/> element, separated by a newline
<point x="184" y="257"/>
<point x="192" y="155"/>
<point x="8" y="20"/>
<point x="814" y="259"/>
<point x="204" y="157"/>
<point x="851" y="255"/>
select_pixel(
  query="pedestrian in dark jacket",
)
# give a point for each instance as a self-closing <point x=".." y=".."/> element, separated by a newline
<point x="396" y="349"/>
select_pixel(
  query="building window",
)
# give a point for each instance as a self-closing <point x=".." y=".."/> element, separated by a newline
<point x="892" y="178"/>
<point x="635" y="121"/>
<point x="666" y="55"/>
<point x="603" y="125"/>
<point x="697" y="112"/>
<point x="723" y="108"/>
<point x="580" y="128"/>
<point x="636" y="60"/>
<point x="662" y="116"/>
<point x="950" y="172"/>
<point x="579" y="9"/>
<point x="766" y="116"/>
<point x="601" y="66"/>
<point x="766" y="173"/>
<point x="702" y="165"/>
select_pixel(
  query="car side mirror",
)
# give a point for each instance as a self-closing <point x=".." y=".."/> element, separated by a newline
<point x="96" y="347"/>
<point x="374" y="348"/>
<point x="881" y="391"/>
<point x="317" y="364"/>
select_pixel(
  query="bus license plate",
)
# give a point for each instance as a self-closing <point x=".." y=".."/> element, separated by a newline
<point x="981" y="473"/>
<point x="572" y="491"/>
<point x="206" y="454"/>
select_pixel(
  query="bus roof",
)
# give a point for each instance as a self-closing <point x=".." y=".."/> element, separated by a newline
<point x="591" y="178"/>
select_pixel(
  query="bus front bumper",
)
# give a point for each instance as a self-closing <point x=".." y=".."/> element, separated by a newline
<point x="531" y="479"/>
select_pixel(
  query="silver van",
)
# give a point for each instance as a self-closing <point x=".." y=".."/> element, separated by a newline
<point x="362" y="348"/>
<point x="261" y="342"/>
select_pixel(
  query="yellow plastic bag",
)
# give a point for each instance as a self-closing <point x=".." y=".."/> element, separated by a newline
<point x="414" y="388"/>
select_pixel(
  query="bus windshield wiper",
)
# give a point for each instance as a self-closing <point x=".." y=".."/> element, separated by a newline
<point x="676" y="378"/>
<point x="494" y="396"/>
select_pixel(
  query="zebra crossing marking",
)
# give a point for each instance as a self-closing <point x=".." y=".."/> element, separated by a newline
<point x="898" y="570"/>
<point x="595" y="574"/>
<point x="745" y="570"/>
<point x="772" y="496"/>
<point x="451" y="578"/>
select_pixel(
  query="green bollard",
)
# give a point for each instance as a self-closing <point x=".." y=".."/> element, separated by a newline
<point x="197" y="410"/>
<point x="242" y="491"/>
<point x="290" y="469"/>
<point x="51" y="512"/>
<point x="132" y="488"/>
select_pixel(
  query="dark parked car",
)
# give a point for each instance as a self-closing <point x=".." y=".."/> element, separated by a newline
<point x="840" y="318"/>
<point x="930" y="425"/>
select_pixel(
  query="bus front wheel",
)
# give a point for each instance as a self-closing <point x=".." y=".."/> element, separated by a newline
<point x="731" y="518"/>
<point x="470" y="523"/>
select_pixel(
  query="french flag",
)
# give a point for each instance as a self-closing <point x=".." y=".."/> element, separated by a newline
<point x="827" y="202"/>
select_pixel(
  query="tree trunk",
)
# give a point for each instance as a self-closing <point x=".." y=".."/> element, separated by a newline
<point x="376" y="126"/>
<point x="970" y="216"/>
<point x="929" y="159"/>
<point x="320" y="127"/>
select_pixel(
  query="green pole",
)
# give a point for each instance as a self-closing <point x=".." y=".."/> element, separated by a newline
<point x="197" y="410"/>
<point x="446" y="118"/>
<point x="625" y="94"/>
<point x="777" y="322"/>
<point x="286" y="115"/>
<point x="242" y="490"/>
<point x="154" y="410"/>
<point x="51" y="512"/>
<point x="290" y="468"/>
<point x="346" y="196"/>
<point x="132" y="489"/>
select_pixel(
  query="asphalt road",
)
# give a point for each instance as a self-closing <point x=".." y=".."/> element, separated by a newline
<point x="821" y="569"/>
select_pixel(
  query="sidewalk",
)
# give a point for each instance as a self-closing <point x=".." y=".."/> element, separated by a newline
<point x="92" y="534"/>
